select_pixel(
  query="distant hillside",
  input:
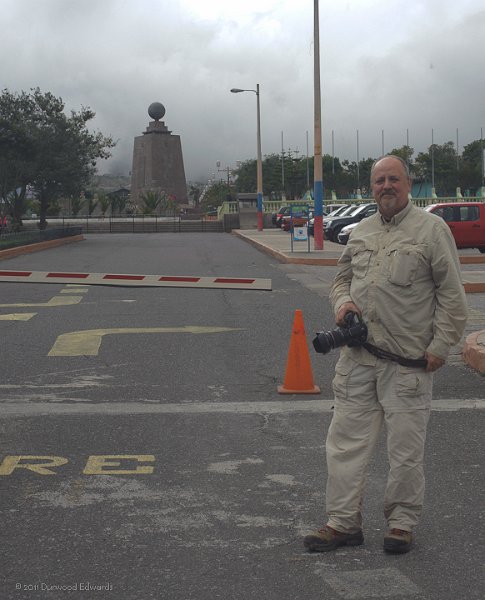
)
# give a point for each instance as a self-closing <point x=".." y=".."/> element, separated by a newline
<point x="110" y="183"/>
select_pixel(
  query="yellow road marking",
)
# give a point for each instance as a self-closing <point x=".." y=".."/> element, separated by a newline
<point x="75" y="290"/>
<point x="55" y="301"/>
<point x="17" y="317"/>
<point x="98" y="465"/>
<point x="10" y="463"/>
<point x="107" y="464"/>
<point x="87" y="343"/>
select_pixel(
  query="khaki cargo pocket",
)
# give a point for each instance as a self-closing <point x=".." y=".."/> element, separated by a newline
<point x="404" y="264"/>
<point x="413" y="388"/>
<point x="343" y="369"/>
<point x="360" y="262"/>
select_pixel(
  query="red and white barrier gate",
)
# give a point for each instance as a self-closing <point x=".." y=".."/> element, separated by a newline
<point x="236" y="283"/>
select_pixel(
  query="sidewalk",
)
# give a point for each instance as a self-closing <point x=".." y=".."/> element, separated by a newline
<point x="277" y="243"/>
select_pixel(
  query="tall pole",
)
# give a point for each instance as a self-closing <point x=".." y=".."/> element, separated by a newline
<point x="333" y="153"/>
<point x="483" y="159"/>
<point x="358" y="161"/>
<point x="407" y="144"/>
<point x="260" y="165"/>
<point x="432" y="159"/>
<point x="317" y="123"/>
<point x="382" y="136"/>
<point x="282" y="165"/>
<point x="457" y="152"/>
<point x="307" y="164"/>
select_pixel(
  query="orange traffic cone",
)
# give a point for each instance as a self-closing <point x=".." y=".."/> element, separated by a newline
<point x="298" y="376"/>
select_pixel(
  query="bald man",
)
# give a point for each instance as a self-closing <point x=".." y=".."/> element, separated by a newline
<point x="400" y="272"/>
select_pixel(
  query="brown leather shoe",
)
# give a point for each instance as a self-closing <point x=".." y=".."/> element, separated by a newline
<point x="398" y="541"/>
<point x="327" y="539"/>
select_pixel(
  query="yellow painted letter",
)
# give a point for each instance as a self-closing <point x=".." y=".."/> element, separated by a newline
<point x="97" y="465"/>
<point x="10" y="463"/>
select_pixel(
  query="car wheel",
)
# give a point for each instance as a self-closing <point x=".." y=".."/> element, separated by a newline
<point x="335" y="233"/>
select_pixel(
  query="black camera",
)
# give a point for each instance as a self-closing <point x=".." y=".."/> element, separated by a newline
<point x="354" y="333"/>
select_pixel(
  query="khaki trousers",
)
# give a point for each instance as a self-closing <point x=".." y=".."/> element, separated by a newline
<point x="365" y="397"/>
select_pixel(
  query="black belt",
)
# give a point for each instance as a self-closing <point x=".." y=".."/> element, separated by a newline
<point x="417" y="363"/>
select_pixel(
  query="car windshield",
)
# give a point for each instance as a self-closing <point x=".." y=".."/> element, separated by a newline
<point x="359" y="209"/>
<point x="338" y="211"/>
<point x="348" y="210"/>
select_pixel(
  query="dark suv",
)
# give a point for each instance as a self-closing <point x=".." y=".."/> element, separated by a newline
<point x="332" y="227"/>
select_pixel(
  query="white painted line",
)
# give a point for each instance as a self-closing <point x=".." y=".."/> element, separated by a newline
<point x="13" y="408"/>
<point x="238" y="283"/>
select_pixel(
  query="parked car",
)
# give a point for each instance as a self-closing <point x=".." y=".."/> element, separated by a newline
<point x="332" y="227"/>
<point x="466" y="221"/>
<point x="340" y="210"/>
<point x="278" y="216"/>
<point x="297" y="221"/>
<point x="343" y="236"/>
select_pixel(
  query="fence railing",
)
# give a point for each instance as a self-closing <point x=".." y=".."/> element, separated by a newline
<point x="24" y="238"/>
<point x="131" y="224"/>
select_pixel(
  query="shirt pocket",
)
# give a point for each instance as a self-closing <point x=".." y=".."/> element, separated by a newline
<point x="404" y="264"/>
<point x="361" y="260"/>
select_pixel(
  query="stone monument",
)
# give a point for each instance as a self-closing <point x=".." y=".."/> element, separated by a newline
<point x="158" y="164"/>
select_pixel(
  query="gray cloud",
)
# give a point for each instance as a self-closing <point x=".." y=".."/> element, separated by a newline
<point x="386" y="66"/>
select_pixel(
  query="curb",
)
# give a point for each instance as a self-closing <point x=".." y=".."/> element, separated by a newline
<point x="470" y="287"/>
<point x="11" y="252"/>
<point x="329" y="262"/>
<point x="474" y="351"/>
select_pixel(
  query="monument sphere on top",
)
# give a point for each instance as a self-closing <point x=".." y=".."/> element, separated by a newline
<point x="156" y="110"/>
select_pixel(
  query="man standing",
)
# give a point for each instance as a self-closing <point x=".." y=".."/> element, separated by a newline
<point x="400" y="272"/>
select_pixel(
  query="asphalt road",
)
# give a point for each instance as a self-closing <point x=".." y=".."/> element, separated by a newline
<point x="165" y="465"/>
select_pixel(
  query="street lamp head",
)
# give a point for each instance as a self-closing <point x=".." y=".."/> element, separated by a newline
<point x="237" y="90"/>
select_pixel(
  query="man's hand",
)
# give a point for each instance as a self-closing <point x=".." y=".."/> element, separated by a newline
<point x="434" y="363"/>
<point x="343" y="310"/>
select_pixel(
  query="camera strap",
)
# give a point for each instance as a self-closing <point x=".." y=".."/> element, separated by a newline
<point x="415" y="363"/>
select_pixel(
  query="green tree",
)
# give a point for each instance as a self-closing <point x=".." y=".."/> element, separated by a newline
<point x="471" y="172"/>
<point x="117" y="204"/>
<point x="440" y="160"/>
<point x="91" y="203"/>
<point x="76" y="204"/>
<point x="214" y="196"/>
<point x="104" y="203"/>
<point x="151" y="201"/>
<point x="195" y="192"/>
<point x="404" y="152"/>
<point x="53" y="153"/>
<point x="17" y="151"/>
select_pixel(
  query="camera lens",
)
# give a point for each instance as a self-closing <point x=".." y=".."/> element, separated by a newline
<point x="329" y="340"/>
<point x="353" y="335"/>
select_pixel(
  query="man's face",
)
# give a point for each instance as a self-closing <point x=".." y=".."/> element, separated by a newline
<point x="390" y="186"/>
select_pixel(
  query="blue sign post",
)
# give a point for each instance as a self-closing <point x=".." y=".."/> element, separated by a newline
<point x="299" y="233"/>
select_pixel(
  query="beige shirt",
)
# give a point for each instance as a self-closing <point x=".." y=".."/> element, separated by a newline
<point x="405" y="277"/>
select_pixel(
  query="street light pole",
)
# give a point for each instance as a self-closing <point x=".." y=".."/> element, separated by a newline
<point x="317" y="124"/>
<point x="259" y="167"/>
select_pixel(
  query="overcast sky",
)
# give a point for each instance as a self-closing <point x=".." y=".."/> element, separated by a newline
<point x="387" y="65"/>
